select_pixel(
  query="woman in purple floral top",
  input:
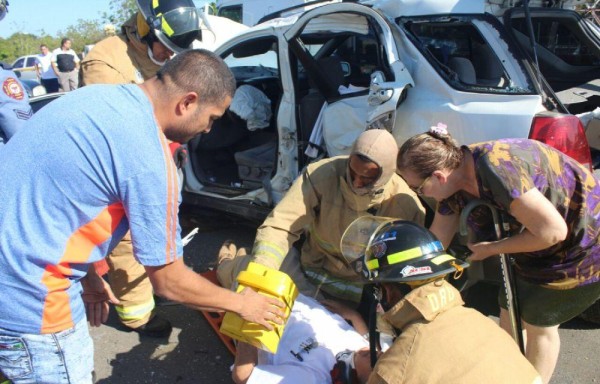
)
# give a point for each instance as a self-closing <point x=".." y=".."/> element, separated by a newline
<point x="553" y="205"/>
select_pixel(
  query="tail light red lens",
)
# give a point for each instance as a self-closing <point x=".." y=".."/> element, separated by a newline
<point x="565" y="133"/>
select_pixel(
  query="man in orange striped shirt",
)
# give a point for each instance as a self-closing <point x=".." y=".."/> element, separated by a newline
<point x="86" y="168"/>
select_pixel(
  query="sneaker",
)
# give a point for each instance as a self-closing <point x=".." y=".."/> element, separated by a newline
<point x="156" y="327"/>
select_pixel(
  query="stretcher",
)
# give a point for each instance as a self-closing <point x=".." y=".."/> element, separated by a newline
<point x="215" y="319"/>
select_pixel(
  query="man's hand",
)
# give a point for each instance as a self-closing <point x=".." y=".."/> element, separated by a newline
<point x="96" y="296"/>
<point x="261" y="309"/>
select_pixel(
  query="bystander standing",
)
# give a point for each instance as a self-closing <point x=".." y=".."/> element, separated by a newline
<point x="66" y="66"/>
<point x="44" y="70"/>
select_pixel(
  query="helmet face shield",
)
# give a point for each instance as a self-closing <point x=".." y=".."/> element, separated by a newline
<point x="357" y="236"/>
<point x="178" y="28"/>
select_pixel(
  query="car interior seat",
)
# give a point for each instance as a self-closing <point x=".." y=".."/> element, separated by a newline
<point x="256" y="158"/>
<point x="256" y="164"/>
<point x="310" y="105"/>
<point x="464" y="69"/>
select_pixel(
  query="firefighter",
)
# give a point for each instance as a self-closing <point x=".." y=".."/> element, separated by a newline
<point x="321" y="203"/>
<point x="440" y="340"/>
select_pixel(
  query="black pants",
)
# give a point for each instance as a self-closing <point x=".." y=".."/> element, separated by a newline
<point x="51" y="85"/>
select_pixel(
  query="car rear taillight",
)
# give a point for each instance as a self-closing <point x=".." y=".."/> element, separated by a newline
<point x="563" y="132"/>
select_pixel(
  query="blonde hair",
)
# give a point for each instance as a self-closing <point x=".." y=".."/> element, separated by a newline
<point x="428" y="152"/>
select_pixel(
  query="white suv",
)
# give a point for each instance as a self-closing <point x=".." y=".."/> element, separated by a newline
<point x="401" y="65"/>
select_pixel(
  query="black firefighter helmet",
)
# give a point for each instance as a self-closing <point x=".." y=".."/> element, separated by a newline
<point x="3" y="8"/>
<point x="175" y="23"/>
<point x="385" y="250"/>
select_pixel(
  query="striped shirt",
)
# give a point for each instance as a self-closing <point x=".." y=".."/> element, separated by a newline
<point x="84" y="170"/>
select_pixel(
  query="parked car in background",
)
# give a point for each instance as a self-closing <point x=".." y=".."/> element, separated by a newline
<point x="24" y="67"/>
<point x="33" y="87"/>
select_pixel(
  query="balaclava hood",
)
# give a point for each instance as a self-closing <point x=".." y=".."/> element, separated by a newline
<point x="379" y="146"/>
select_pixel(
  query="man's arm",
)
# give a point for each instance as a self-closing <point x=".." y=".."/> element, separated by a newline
<point x="286" y="223"/>
<point x="96" y="296"/>
<point x="175" y="281"/>
<point x="55" y="68"/>
<point x="38" y="68"/>
<point x="246" y="358"/>
<point x="347" y="314"/>
<point x="53" y="63"/>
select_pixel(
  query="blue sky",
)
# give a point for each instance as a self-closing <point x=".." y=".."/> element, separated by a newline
<point x="33" y="16"/>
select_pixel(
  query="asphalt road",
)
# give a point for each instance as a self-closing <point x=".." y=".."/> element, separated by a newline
<point x="194" y="354"/>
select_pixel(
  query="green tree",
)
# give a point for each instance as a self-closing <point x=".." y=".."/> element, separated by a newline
<point x="83" y="33"/>
<point x="120" y="11"/>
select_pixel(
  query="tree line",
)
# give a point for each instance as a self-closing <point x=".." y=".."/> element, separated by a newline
<point x="82" y="33"/>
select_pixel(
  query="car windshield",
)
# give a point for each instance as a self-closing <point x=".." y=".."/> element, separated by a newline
<point x="469" y="52"/>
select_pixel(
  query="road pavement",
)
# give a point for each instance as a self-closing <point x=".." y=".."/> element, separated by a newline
<point x="194" y="354"/>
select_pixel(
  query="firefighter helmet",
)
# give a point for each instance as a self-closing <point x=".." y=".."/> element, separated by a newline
<point x="3" y="8"/>
<point x="388" y="250"/>
<point x="174" y="22"/>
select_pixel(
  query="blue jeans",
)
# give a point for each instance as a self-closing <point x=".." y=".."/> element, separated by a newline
<point x="62" y="357"/>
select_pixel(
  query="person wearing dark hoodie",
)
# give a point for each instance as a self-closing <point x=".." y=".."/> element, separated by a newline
<point x="147" y="40"/>
<point x="319" y="205"/>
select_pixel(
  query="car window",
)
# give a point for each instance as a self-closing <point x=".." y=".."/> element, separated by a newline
<point x="233" y="12"/>
<point x="360" y="54"/>
<point x="19" y="63"/>
<point x="255" y="58"/>
<point x="560" y="37"/>
<point x="458" y="50"/>
<point x="31" y="62"/>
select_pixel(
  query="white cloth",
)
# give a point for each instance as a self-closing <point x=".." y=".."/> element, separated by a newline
<point x="309" y="323"/>
<point x="252" y="105"/>
<point x="338" y="125"/>
<point x="44" y="62"/>
<point x="343" y="122"/>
